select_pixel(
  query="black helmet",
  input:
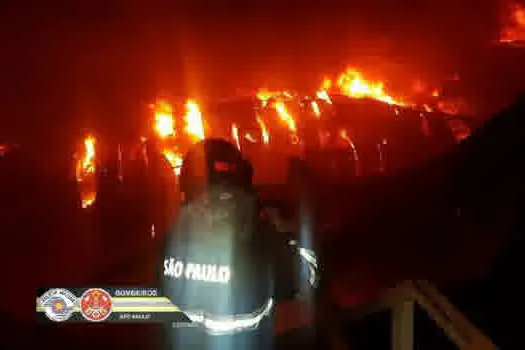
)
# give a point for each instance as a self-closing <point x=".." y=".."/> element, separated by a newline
<point x="213" y="162"/>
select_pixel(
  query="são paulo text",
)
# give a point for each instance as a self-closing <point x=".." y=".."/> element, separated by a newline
<point x="197" y="272"/>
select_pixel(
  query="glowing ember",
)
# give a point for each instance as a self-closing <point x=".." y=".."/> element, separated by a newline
<point x="285" y="116"/>
<point x="88" y="199"/>
<point x="164" y="124"/>
<point x="514" y="30"/>
<point x="235" y="136"/>
<point x="352" y="84"/>
<point x="194" y="125"/>
<point x="175" y="160"/>
<point x="264" y="132"/>
<point x="427" y="108"/>
<point x="315" y="108"/>
<point x="460" y="130"/>
<point x="249" y="137"/>
<point x="344" y="136"/>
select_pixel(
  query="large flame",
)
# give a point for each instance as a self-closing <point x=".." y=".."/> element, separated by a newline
<point x="514" y="28"/>
<point x="86" y="172"/>
<point x="194" y="124"/>
<point x="164" y="122"/>
<point x="352" y="84"/>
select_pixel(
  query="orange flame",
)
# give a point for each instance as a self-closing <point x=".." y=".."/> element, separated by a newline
<point x="175" y="160"/>
<point x="86" y="166"/>
<point x="88" y="199"/>
<point x="285" y="116"/>
<point x="264" y="131"/>
<point x="194" y="124"/>
<point x="322" y="94"/>
<point x="315" y="108"/>
<point x="85" y="173"/>
<point x="352" y="84"/>
<point x="264" y="95"/>
<point x="235" y="135"/>
<point x="164" y="123"/>
<point x="344" y="136"/>
<point x="514" y="30"/>
<point x="249" y="137"/>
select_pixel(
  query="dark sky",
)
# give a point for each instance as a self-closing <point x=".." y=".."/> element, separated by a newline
<point x="71" y="66"/>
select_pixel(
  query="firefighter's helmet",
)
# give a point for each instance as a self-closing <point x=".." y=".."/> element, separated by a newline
<point x="213" y="162"/>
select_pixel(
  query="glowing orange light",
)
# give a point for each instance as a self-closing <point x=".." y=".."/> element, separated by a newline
<point x="194" y="124"/>
<point x="285" y="116"/>
<point x="164" y="123"/>
<point x="235" y="135"/>
<point x="352" y="84"/>
<point x="174" y="159"/>
<point x="315" y="108"/>
<point x="264" y="131"/>
<point x="86" y="172"/>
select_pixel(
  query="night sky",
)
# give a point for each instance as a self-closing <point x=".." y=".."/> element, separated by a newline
<point x="70" y="66"/>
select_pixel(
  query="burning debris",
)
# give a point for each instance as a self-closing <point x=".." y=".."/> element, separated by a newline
<point x="280" y="119"/>
<point x="288" y="109"/>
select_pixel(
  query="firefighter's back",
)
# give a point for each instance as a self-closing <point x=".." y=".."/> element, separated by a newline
<point x="217" y="271"/>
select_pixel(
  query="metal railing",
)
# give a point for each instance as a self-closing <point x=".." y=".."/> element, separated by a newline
<point x="402" y="299"/>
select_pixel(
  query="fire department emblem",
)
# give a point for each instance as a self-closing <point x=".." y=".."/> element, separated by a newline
<point x="95" y="305"/>
<point x="59" y="304"/>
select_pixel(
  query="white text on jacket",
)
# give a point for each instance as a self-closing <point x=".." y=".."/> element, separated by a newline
<point x="198" y="272"/>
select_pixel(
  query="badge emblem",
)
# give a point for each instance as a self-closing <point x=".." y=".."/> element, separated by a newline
<point x="95" y="305"/>
<point x="59" y="304"/>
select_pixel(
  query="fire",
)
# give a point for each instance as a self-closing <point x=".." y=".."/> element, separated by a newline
<point x="174" y="158"/>
<point x="264" y="131"/>
<point x="86" y="166"/>
<point x="315" y="108"/>
<point x="322" y="93"/>
<point x="164" y="123"/>
<point x="194" y="124"/>
<point x="249" y="137"/>
<point x="285" y="116"/>
<point x="352" y="84"/>
<point x="344" y="136"/>
<point x="514" y="30"/>
<point x="235" y="135"/>
<point x="85" y="173"/>
<point x="88" y="199"/>
<point x="264" y="95"/>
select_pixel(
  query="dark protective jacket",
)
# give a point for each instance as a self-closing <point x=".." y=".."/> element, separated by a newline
<point x="222" y="261"/>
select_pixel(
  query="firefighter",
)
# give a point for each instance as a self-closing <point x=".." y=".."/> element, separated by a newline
<point x="223" y="265"/>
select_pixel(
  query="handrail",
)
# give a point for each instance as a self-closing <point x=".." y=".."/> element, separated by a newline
<point x="401" y="300"/>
